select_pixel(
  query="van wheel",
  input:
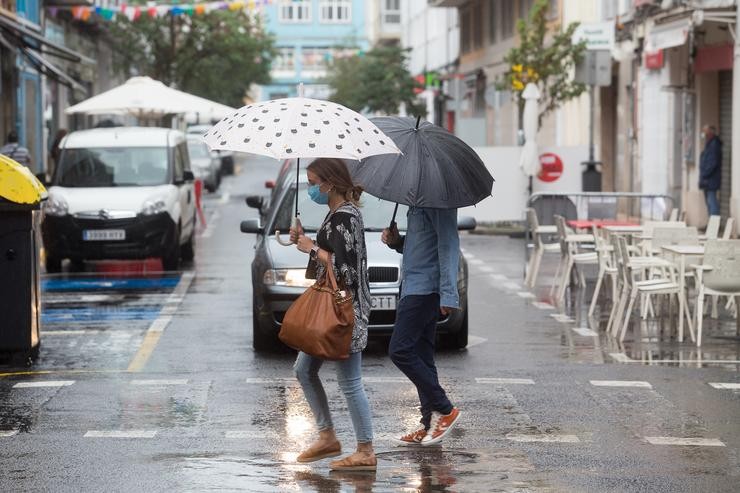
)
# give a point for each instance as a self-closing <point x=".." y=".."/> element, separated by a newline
<point x="53" y="264"/>
<point x="171" y="260"/>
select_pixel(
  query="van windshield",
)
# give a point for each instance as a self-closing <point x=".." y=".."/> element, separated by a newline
<point x="113" y="167"/>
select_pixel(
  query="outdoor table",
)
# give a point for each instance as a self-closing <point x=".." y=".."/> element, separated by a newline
<point x="625" y="229"/>
<point x="546" y="230"/>
<point x="599" y="223"/>
<point x="683" y="251"/>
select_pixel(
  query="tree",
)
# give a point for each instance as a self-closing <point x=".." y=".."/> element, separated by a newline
<point x="216" y="55"/>
<point x="547" y="62"/>
<point x="377" y="81"/>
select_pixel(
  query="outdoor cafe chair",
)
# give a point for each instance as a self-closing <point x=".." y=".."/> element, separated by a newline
<point x="606" y="268"/>
<point x="729" y="227"/>
<point x="712" y="232"/>
<point x="656" y="286"/>
<point x="719" y="275"/>
<point x="572" y="257"/>
<point x="540" y="248"/>
<point x="674" y="214"/>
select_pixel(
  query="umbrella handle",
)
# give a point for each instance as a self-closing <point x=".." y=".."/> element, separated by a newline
<point x="294" y="224"/>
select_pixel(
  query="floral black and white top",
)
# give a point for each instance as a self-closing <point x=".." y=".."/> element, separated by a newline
<point x="343" y="235"/>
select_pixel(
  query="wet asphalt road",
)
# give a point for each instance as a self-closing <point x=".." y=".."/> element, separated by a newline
<point x="150" y="384"/>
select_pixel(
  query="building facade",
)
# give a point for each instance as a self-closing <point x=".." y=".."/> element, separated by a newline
<point x="308" y="35"/>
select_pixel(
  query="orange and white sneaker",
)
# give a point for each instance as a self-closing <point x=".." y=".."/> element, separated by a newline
<point x="412" y="438"/>
<point x="441" y="425"/>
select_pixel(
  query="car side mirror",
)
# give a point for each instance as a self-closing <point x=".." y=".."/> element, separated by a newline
<point x="466" y="223"/>
<point x="256" y="202"/>
<point x="253" y="226"/>
<point x="188" y="176"/>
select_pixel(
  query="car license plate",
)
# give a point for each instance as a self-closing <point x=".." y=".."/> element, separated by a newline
<point x="383" y="302"/>
<point x="104" y="234"/>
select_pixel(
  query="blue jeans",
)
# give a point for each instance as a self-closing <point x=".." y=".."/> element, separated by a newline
<point x="712" y="202"/>
<point x="349" y="376"/>
<point x="412" y="351"/>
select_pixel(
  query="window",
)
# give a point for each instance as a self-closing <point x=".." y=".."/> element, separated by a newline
<point x="295" y="11"/>
<point x="524" y="7"/>
<point x="116" y="166"/>
<point x="284" y="59"/>
<point x="507" y="19"/>
<point x="391" y="11"/>
<point x="477" y="21"/>
<point x="336" y="11"/>
<point x="314" y="59"/>
<point x="494" y="10"/>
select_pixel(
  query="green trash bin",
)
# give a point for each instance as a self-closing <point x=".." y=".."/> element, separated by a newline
<point x="20" y="286"/>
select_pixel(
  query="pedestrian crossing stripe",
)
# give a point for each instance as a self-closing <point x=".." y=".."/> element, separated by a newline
<point x="249" y="434"/>
<point x="543" y="438"/>
<point x="505" y="381"/>
<point x="121" y="434"/>
<point x="620" y="383"/>
<point x="270" y="381"/>
<point x="542" y="305"/>
<point x="43" y="383"/>
<point x="725" y="386"/>
<point x="525" y="295"/>
<point x="182" y="381"/>
<point x="585" y="332"/>
<point x="8" y="433"/>
<point x="620" y="357"/>
<point x="695" y="442"/>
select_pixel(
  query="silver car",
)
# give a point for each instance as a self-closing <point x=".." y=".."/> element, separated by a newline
<point x="278" y="272"/>
<point x="204" y="164"/>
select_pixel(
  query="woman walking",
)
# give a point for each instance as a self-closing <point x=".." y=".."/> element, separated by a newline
<point x="341" y="241"/>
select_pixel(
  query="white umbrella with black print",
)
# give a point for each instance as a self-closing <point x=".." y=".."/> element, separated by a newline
<point x="299" y="128"/>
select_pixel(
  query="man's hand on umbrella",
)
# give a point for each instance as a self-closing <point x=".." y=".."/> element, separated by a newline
<point x="390" y="236"/>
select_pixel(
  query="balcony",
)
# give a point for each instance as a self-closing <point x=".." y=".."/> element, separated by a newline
<point x="446" y="3"/>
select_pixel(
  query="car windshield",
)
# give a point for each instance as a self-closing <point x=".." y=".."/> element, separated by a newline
<point x="113" y="167"/>
<point x="197" y="150"/>
<point x="376" y="213"/>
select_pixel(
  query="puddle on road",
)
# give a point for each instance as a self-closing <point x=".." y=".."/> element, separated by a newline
<point x="423" y="470"/>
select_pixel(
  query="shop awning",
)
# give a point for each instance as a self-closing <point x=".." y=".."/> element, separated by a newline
<point x="50" y="70"/>
<point x="668" y="35"/>
<point x="15" y="29"/>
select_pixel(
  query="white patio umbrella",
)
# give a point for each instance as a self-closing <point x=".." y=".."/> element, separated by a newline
<point x="299" y="128"/>
<point x="205" y="110"/>
<point x="529" y="158"/>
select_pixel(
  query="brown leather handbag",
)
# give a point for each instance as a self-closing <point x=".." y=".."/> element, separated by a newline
<point x="320" y="322"/>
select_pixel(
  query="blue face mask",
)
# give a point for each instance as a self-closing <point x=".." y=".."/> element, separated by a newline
<point x="314" y="191"/>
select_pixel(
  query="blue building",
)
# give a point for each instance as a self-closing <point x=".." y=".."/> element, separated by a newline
<point x="308" y="35"/>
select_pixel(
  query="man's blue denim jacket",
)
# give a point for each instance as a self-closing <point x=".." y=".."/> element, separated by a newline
<point x="431" y="254"/>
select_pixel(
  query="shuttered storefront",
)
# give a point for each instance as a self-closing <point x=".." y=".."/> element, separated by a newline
<point x="725" y="132"/>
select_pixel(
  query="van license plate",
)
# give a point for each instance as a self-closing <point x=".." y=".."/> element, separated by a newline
<point x="104" y="234"/>
<point x="383" y="302"/>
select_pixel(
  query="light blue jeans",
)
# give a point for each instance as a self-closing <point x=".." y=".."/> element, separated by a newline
<point x="349" y="376"/>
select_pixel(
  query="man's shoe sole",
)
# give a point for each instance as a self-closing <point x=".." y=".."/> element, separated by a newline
<point x="433" y="441"/>
<point x="402" y="443"/>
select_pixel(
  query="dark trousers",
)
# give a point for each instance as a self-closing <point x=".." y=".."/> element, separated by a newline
<point x="412" y="351"/>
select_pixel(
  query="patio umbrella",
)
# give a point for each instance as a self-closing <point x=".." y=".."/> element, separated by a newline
<point x="299" y="128"/>
<point x="529" y="158"/>
<point x="436" y="169"/>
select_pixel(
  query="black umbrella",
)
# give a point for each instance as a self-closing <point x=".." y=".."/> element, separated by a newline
<point x="436" y="169"/>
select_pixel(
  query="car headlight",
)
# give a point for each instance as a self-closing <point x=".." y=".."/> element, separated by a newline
<point x="56" y="206"/>
<point x="287" y="277"/>
<point x="153" y="207"/>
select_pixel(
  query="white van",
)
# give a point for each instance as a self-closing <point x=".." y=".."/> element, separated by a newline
<point x="121" y="193"/>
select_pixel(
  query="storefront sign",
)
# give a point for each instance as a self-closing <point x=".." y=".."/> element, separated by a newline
<point x="597" y="35"/>
<point x="668" y="35"/>
<point x="654" y="61"/>
<point x="551" y="167"/>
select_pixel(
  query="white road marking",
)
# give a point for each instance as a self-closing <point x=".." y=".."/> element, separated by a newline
<point x="249" y="434"/>
<point x="689" y="361"/>
<point x="511" y="286"/>
<point x="487" y="269"/>
<point x="505" y="381"/>
<point x="542" y="305"/>
<point x="43" y="383"/>
<point x="543" y="438"/>
<point x="211" y="225"/>
<point x="8" y="433"/>
<point x="475" y="341"/>
<point x="386" y="380"/>
<point x="620" y="357"/>
<point x="120" y="434"/>
<point x="467" y="255"/>
<point x="70" y="332"/>
<point x="562" y="318"/>
<point x="585" y="332"/>
<point x="270" y="381"/>
<point x="224" y="198"/>
<point x="182" y="381"/>
<point x="499" y="277"/>
<point x="526" y="295"/>
<point x="620" y="383"/>
<point x="697" y="442"/>
<point x="725" y="386"/>
<point x="475" y="261"/>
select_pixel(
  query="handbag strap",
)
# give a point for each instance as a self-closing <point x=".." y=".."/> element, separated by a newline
<point x="332" y="278"/>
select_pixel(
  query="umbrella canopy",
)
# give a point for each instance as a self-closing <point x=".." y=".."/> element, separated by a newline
<point x="436" y="168"/>
<point x="17" y="183"/>
<point x="529" y="159"/>
<point x="205" y="110"/>
<point x="299" y="128"/>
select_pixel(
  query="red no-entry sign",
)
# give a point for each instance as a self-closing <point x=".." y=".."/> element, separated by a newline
<point x="551" y="167"/>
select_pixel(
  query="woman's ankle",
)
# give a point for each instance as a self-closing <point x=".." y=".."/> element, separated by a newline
<point x="366" y="448"/>
<point x="327" y="435"/>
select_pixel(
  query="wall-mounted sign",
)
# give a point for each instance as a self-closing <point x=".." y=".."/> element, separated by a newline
<point x="597" y="35"/>
<point x="551" y="167"/>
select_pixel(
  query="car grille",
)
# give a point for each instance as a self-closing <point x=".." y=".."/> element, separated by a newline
<point x="383" y="274"/>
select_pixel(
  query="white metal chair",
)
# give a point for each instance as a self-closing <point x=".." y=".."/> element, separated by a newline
<point x="712" y="232"/>
<point x="674" y="215"/>
<point x="666" y="286"/>
<point x="540" y="248"/>
<point x="729" y="228"/>
<point x="571" y="256"/>
<point x="606" y="268"/>
<point x="718" y="276"/>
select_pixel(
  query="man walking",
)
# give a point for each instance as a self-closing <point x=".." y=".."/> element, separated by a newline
<point x="15" y="151"/>
<point x="710" y="168"/>
<point x="431" y="254"/>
